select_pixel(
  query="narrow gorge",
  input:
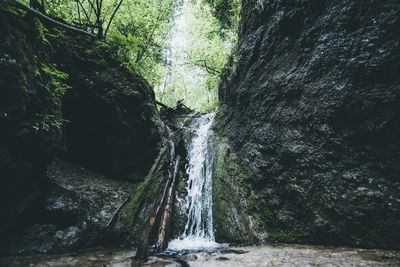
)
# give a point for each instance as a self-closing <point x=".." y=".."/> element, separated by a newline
<point x="200" y="133"/>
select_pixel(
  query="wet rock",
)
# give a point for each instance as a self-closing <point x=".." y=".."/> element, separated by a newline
<point x="311" y="107"/>
<point x="74" y="214"/>
<point x="230" y="195"/>
<point x="44" y="238"/>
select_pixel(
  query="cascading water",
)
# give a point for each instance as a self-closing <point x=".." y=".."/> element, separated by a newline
<point x="198" y="232"/>
<point x="199" y="185"/>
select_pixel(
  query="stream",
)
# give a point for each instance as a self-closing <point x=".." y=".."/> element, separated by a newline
<point x="265" y="255"/>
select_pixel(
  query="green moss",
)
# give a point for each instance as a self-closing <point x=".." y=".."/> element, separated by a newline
<point x="181" y="186"/>
<point x="139" y="209"/>
<point x="142" y="206"/>
<point x="220" y="208"/>
<point x="230" y="188"/>
<point x="258" y="210"/>
<point x="34" y="85"/>
<point x="234" y="201"/>
<point x="132" y="207"/>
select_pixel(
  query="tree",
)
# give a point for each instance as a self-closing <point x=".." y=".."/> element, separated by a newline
<point x="89" y="7"/>
<point x="199" y="50"/>
<point x="225" y="11"/>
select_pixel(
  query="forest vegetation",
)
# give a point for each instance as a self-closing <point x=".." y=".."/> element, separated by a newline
<point x="144" y="35"/>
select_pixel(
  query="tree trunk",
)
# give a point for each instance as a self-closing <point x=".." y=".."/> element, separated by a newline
<point x="165" y="224"/>
<point x="161" y="219"/>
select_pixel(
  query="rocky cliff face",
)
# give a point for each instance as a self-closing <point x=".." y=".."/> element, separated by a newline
<point x="312" y="110"/>
<point x="114" y="127"/>
<point x="106" y="121"/>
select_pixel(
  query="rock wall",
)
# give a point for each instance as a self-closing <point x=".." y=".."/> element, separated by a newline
<point x="311" y="106"/>
<point x="25" y="147"/>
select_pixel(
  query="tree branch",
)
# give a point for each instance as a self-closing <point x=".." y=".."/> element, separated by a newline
<point x="84" y="10"/>
<point x="48" y="19"/>
<point x="165" y="224"/>
<point x="161" y="104"/>
<point x="112" y="17"/>
<point x="114" y="216"/>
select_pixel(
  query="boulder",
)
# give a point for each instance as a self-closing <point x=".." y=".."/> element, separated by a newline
<point x="74" y="214"/>
<point x="113" y="124"/>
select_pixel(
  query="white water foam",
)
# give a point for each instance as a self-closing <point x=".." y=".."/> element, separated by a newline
<point x="199" y="232"/>
<point x="192" y="243"/>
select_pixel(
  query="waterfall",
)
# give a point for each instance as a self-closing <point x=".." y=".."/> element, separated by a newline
<point x="198" y="232"/>
<point x="199" y="185"/>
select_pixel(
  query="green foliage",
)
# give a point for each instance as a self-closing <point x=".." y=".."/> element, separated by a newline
<point x="56" y="88"/>
<point x="140" y="34"/>
<point x="5" y="5"/>
<point x="42" y="34"/>
<point x="137" y="34"/>
<point x="144" y="34"/>
<point x="198" y="53"/>
<point x="226" y="12"/>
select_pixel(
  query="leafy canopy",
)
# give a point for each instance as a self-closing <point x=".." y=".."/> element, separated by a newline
<point x="179" y="46"/>
<point x="199" y="49"/>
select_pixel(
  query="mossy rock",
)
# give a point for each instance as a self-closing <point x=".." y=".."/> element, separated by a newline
<point x="230" y="190"/>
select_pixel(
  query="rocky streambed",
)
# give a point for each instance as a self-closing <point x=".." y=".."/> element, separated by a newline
<point x="264" y="255"/>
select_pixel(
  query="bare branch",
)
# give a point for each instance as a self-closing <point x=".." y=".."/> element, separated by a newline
<point x="48" y="19"/>
<point x="84" y="10"/>
<point x="111" y="19"/>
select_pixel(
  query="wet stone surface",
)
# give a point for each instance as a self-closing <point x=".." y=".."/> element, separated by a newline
<point x="295" y="255"/>
<point x="265" y="255"/>
<point x="311" y="108"/>
<point x="74" y="213"/>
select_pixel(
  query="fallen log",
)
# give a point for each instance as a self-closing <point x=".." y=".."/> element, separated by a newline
<point x="161" y="104"/>
<point x="141" y="252"/>
<point x="161" y="217"/>
<point x="154" y="169"/>
<point x="165" y="224"/>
